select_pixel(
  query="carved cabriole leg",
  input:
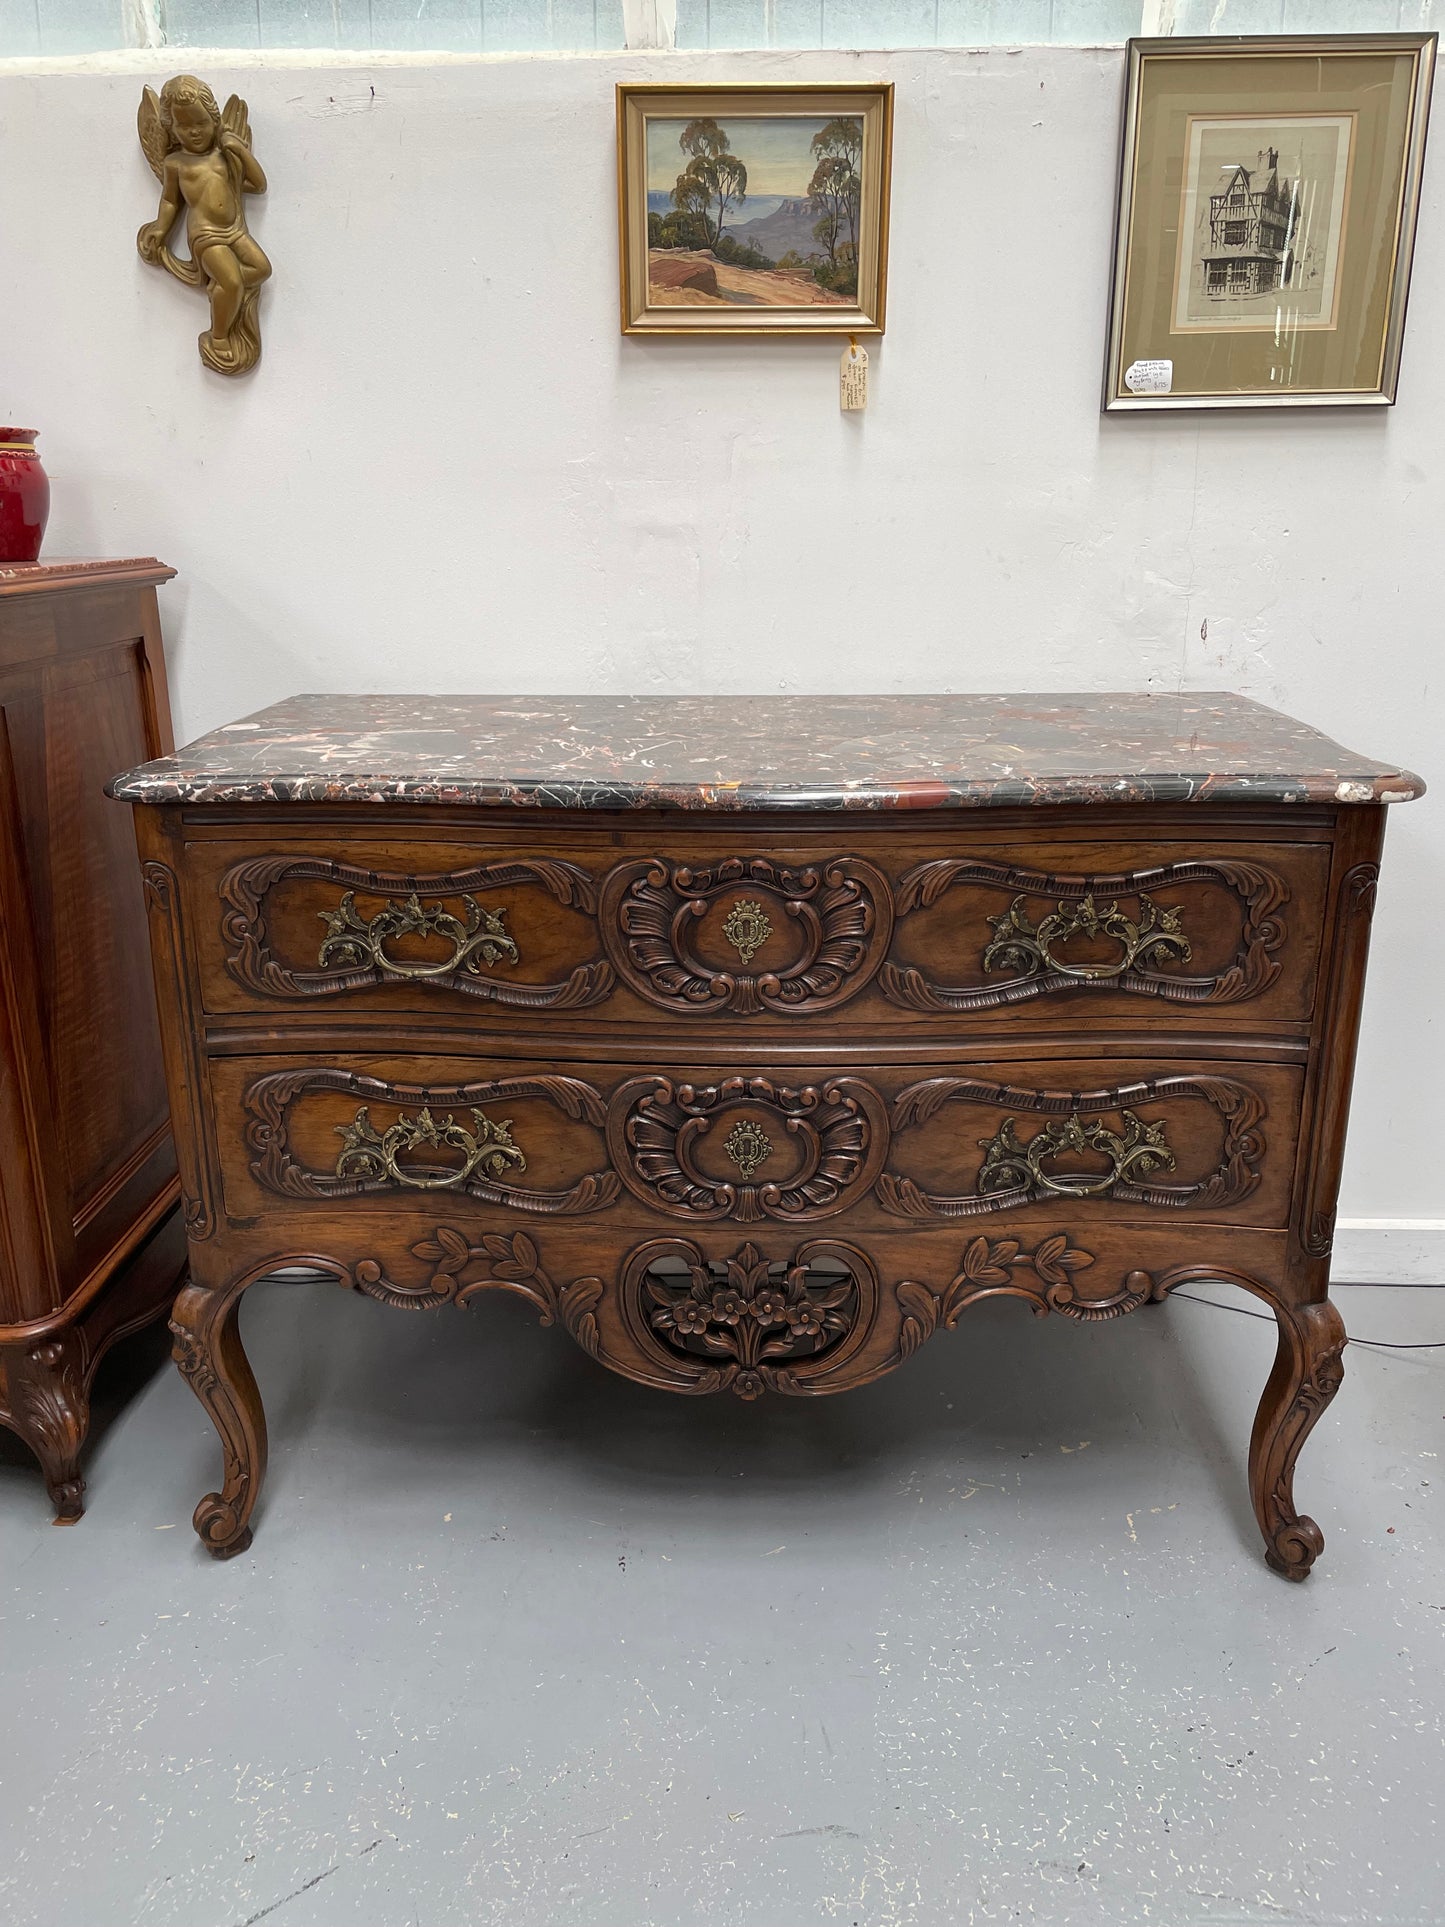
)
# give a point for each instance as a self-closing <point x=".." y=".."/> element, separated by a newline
<point x="1309" y="1365"/>
<point x="1057" y="1277"/>
<point x="827" y="1325"/>
<point x="50" y="1410"/>
<point x="208" y="1350"/>
<point x="1308" y="1370"/>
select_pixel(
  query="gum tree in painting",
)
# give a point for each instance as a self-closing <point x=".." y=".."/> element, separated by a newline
<point x="714" y="179"/>
<point x="765" y="213"/>
<point x="836" y="189"/>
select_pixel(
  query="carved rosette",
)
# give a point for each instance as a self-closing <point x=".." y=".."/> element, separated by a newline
<point x="750" y="1322"/>
<point x="747" y="935"/>
<point x="1078" y="1154"/>
<point x="747" y="1148"/>
<point x="358" y="951"/>
<point x="1144" y="946"/>
<point x="751" y="1319"/>
<point x="476" y="1158"/>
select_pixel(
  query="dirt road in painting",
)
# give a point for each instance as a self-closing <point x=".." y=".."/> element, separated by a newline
<point x="695" y="278"/>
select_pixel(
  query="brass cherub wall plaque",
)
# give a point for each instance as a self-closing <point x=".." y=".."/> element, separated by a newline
<point x="202" y="158"/>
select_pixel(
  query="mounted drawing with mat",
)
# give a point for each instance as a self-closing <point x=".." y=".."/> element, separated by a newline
<point x="1267" y="202"/>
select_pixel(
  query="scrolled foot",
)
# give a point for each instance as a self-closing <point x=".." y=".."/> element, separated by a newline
<point x="1308" y="1371"/>
<point x="220" y="1531"/>
<point x="211" y="1358"/>
<point x="1295" y="1548"/>
<point x="68" y="1498"/>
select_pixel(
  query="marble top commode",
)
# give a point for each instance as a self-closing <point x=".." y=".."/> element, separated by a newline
<point x="767" y="753"/>
<point x="751" y="1040"/>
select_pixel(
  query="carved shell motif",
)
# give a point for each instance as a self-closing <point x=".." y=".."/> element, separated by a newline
<point x="747" y="935"/>
<point x="747" y="1148"/>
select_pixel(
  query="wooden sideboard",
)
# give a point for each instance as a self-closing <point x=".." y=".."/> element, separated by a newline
<point x="90" y="1240"/>
<point x="753" y="1040"/>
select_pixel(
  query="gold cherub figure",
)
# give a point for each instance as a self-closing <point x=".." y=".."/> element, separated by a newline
<point x="202" y="157"/>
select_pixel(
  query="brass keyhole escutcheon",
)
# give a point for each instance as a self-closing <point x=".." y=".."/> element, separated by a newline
<point x="748" y="1145"/>
<point x="747" y="928"/>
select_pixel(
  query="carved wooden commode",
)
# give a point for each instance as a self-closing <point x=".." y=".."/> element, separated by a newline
<point x="754" y="1040"/>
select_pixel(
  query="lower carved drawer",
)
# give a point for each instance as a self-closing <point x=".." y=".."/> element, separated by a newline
<point x="760" y="1144"/>
<point x="802" y="1315"/>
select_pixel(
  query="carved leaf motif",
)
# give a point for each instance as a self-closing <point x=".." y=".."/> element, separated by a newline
<point x="448" y="1250"/>
<point x="986" y="1264"/>
<point x="1055" y="1259"/>
<point x="511" y="1263"/>
<point x="920" y="1316"/>
<point x="923" y="1101"/>
<point x="1042" y="1278"/>
<point x="524" y="1251"/>
<point x="579" y="1305"/>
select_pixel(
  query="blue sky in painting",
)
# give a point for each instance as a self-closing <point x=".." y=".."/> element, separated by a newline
<point x="775" y="151"/>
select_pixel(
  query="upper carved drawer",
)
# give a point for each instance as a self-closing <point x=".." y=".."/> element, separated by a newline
<point x="714" y="932"/>
<point x="1116" y="1136"/>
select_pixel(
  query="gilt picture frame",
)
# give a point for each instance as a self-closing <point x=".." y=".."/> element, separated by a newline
<point x="1268" y="193"/>
<point x="753" y="210"/>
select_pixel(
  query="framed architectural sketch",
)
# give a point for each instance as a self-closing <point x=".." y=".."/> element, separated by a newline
<point x="753" y="210"/>
<point x="1267" y="200"/>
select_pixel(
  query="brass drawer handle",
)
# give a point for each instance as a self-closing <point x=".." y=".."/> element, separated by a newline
<point x="354" y="939"/>
<point x="1026" y="949"/>
<point x="1011" y="1164"/>
<point x="1021" y="962"/>
<point x="369" y="1153"/>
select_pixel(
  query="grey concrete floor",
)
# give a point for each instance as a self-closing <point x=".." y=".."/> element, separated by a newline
<point x="520" y="1643"/>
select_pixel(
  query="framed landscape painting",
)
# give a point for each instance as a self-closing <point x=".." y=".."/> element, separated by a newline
<point x="753" y="210"/>
<point x="1267" y="202"/>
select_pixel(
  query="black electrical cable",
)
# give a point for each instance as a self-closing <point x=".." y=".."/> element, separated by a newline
<point x="1367" y="1344"/>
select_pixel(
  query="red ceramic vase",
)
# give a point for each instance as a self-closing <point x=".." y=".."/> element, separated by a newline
<point x="24" y="496"/>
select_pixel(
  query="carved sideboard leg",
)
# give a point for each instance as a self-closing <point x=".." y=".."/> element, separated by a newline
<point x="1308" y="1371"/>
<point x="50" y="1411"/>
<point x="208" y="1350"/>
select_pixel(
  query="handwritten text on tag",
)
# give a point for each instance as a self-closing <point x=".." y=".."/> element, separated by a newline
<point x="1149" y="377"/>
<point x="853" y="377"/>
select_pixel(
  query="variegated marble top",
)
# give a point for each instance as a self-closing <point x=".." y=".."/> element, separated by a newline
<point x="767" y="752"/>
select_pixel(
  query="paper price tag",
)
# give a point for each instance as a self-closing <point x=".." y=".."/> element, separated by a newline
<point x="1149" y="377"/>
<point x="853" y="377"/>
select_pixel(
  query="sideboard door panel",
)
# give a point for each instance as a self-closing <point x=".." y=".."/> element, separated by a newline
<point x="78" y="703"/>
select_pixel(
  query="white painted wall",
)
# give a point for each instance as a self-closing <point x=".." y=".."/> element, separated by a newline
<point x="452" y="473"/>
